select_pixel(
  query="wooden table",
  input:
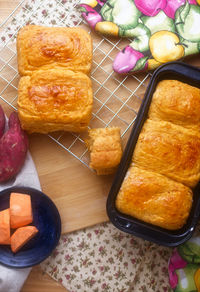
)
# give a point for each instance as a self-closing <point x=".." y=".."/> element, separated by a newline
<point x="59" y="176"/>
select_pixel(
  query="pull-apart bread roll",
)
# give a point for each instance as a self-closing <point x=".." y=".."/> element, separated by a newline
<point x="170" y="150"/>
<point x="55" y="100"/>
<point x="154" y="198"/>
<point x="45" y="48"/>
<point x="176" y="102"/>
<point x="105" y="149"/>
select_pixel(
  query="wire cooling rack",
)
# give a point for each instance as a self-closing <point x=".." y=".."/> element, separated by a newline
<point x="116" y="98"/>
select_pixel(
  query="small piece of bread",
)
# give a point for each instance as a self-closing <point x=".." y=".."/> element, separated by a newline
<point x="20" y="210"/>
<point x="5" y="226"/>
<point x="105" y="149"/>
<point x="21" y="236"/>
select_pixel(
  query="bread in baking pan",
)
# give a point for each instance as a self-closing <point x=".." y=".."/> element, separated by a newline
<point x="154" y="198"/>
<point x="40" y="47"/>
<point x="105" y="149"/>
<point x="176" y="102"/>
<point x="169" y="149"/>
<point x="55" y="100"/>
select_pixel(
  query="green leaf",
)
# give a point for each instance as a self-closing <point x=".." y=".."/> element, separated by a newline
<point x="141" y="35"/>
<point x="140" y="64"/>
<point x="106" y="12"/>
<point x="82" y="9"/>
<point x="182" y="13"/>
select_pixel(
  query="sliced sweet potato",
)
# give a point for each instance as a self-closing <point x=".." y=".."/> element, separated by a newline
<point x="21" y="236"/>
<point x="5" y="226"/>
<point x="20" y="210"/>
<point x="13" y="149"/>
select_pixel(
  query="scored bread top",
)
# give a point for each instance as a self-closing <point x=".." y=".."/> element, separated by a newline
<point x="169" y="149"/>
<point x="154" y="198"/>
<point x="57" y="100"/>
<point x="40" y="47"/>
<point x="176" y="102"/>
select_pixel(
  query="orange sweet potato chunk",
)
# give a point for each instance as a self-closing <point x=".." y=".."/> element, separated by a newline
<point x="20" y="210"/>
<point x="21" y="236"/>
<point x="5" y="226"/>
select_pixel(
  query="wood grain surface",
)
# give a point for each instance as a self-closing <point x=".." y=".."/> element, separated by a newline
<point x="65" y="179"/>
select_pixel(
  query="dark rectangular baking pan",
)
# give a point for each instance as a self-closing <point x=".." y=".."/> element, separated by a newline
<point x="175" y="71"/>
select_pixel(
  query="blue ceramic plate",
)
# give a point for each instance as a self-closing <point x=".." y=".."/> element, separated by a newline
<point x="47" y="220"/>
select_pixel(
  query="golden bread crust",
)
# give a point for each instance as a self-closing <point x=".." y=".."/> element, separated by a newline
<point x="169" y="149"/>
<point x="176" y="102"/>
<point x="55" y="100"/>
<point x="154" y="198"/>
<point x="40" y="47"/>
<point x="105" y="149"/>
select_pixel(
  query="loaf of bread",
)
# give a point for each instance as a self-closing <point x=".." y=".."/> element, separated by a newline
<point x="166" y="159"/>
<point x="40" y="47"/>
<point x="154" y="198"/>
<point x="176" y="102"/>
<point x="172" y="150"/>
<point x="55" y="100"/>
<point x="105" y="149"/>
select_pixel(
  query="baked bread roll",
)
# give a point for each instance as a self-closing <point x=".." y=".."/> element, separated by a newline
<point x="45" y="48"/>
<point x="170" y="150"/>
<point x="55" y="100"/>
<point x="176" y="102"/>
<point x="154" y="198"/>
<point x="105" y="149"/>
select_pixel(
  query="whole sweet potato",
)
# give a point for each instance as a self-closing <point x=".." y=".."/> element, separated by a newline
<point x="2" y="122"/>
<point x="13" y="149"/>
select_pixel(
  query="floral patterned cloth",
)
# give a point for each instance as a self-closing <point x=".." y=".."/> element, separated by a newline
<point x="103" y="259"/>
<point x="41" y="12"/>
<point x="159" y="31"/>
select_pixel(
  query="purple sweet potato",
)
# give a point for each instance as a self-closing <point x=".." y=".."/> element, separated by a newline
<point x="13" y="149"/>
<point x="2" y="122"/>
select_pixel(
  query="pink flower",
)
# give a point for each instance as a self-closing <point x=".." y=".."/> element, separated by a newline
<point x="104" y="286"/>
<point x="44" y="12"/>
<point x="90" y="15"/>
<point x="94" y="272"/>
<point x="132" y="261"/>
<point x="67" y="277"/>
<point x="67" y="257"/>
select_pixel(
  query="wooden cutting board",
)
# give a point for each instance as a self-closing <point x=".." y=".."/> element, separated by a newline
<point x="79" y="194"/>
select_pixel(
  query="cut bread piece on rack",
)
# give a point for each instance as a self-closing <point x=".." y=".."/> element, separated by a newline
<point x="105" y="149"/>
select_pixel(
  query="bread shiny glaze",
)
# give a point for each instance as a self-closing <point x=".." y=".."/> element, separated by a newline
<point x="154" y="198"/>
<point x="45" y="48"/>
<point x="105" y="149"/>
<point x="55" y="100"/>
<point x="169" y="149"/>
<point x="176" y="102"/>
